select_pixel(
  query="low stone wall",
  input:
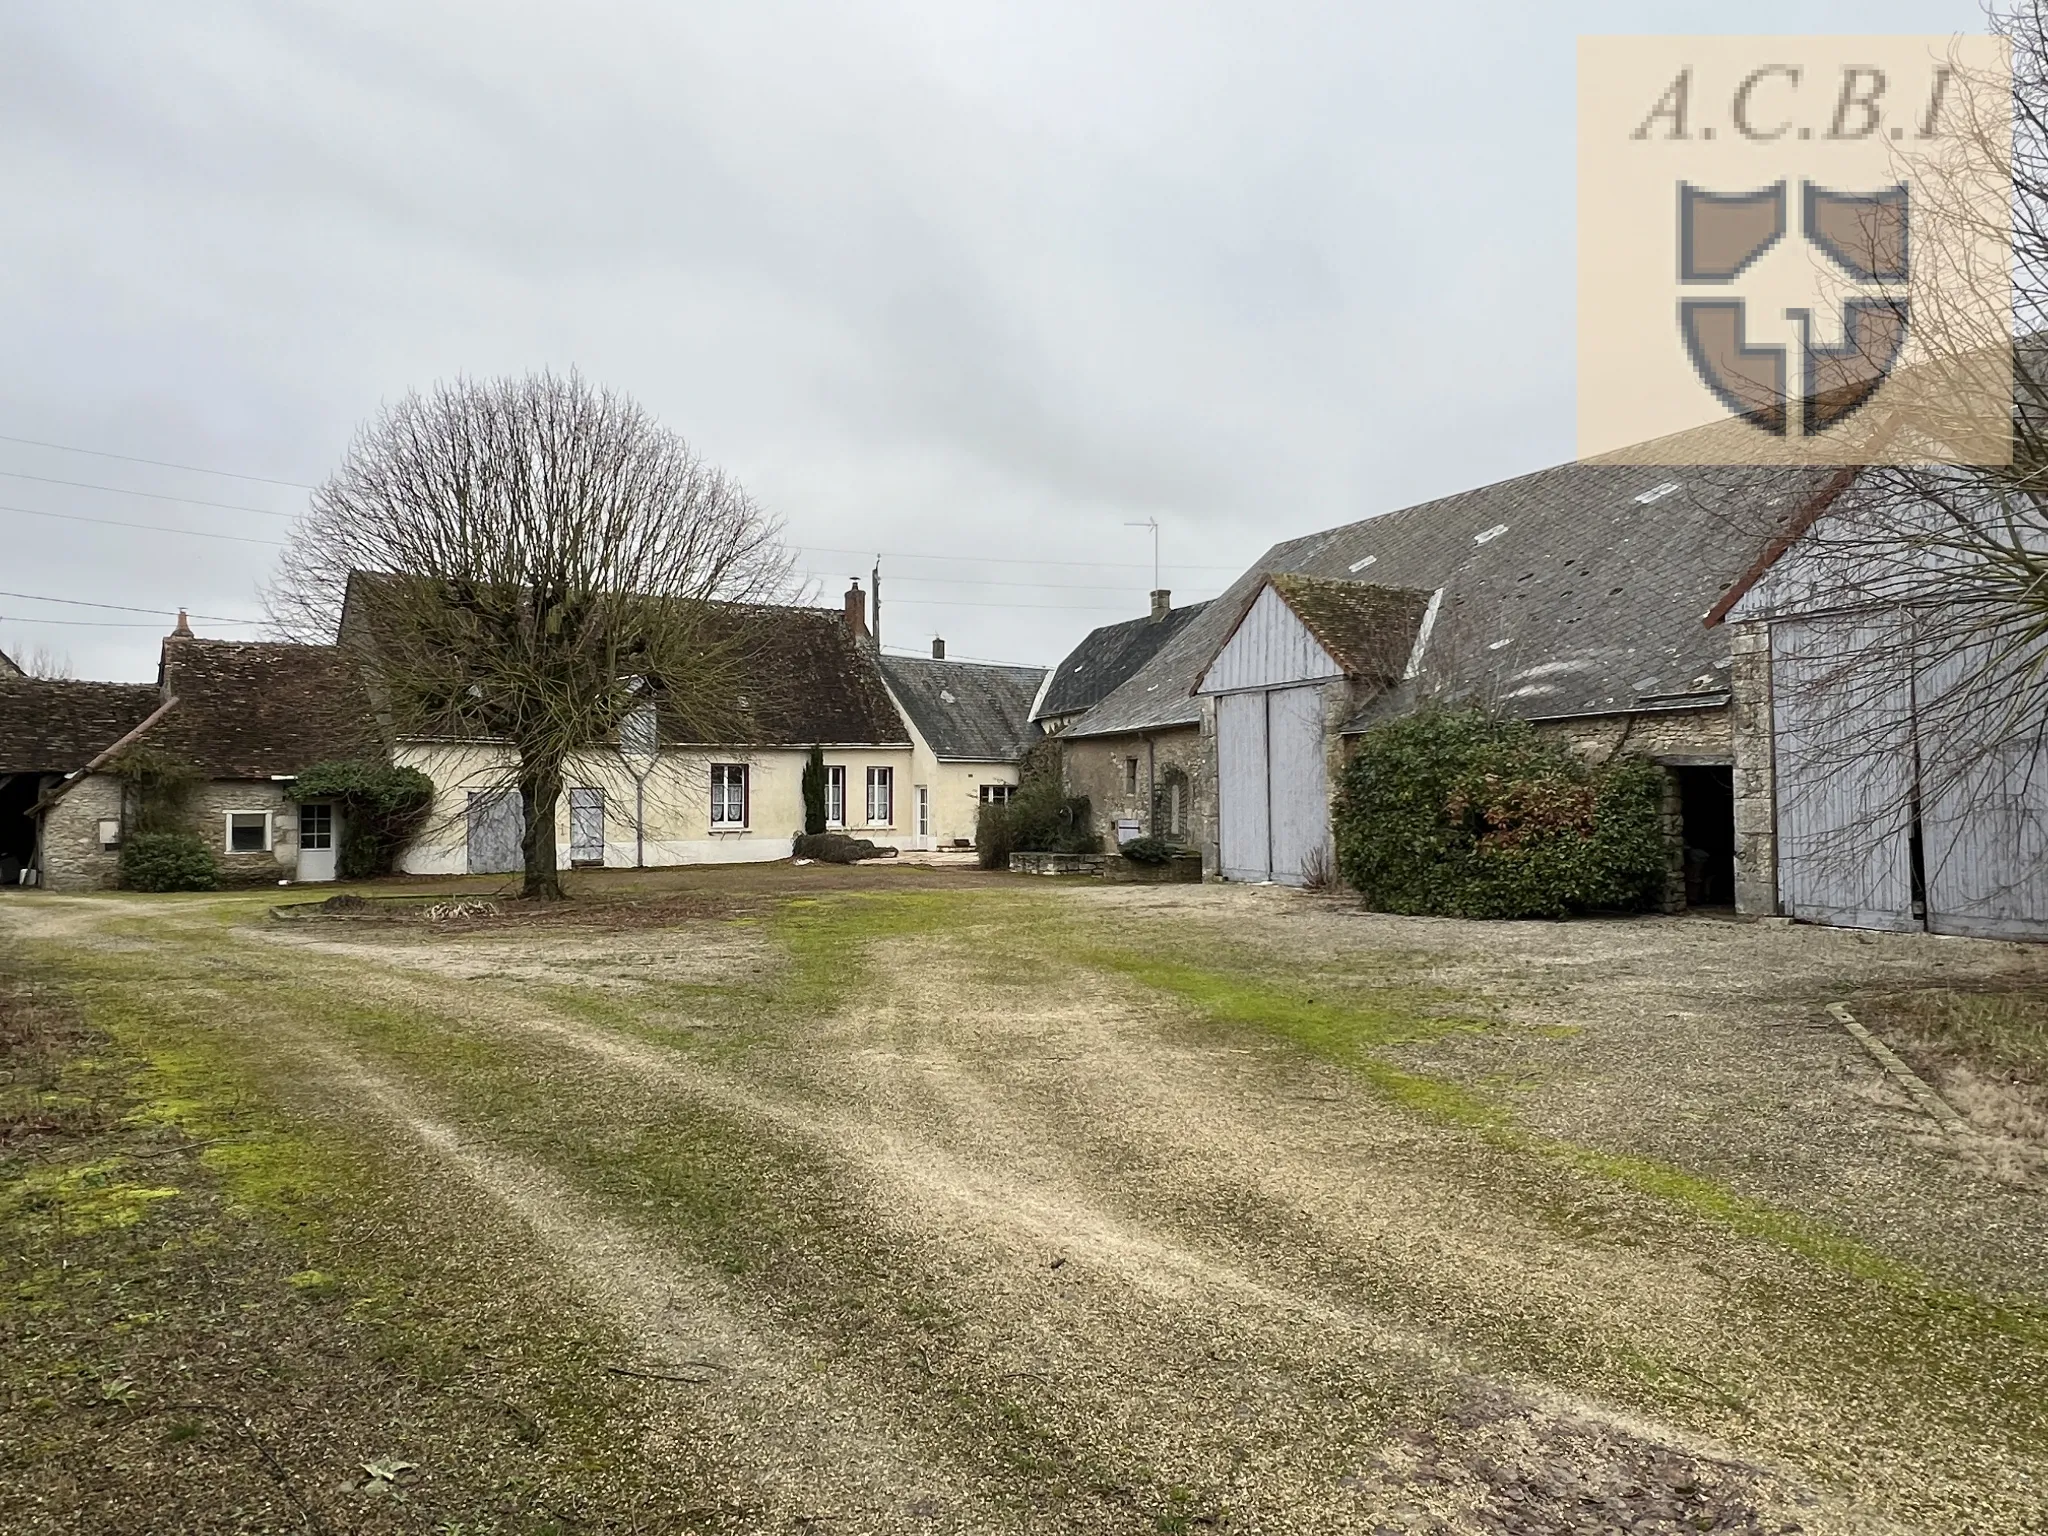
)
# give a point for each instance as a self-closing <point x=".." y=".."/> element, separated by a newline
<point x="1183" y="868"/>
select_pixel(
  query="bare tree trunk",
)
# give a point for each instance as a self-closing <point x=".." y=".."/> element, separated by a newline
<point x="540" y="792"/>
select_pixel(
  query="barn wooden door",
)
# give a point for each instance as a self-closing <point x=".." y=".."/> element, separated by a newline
<point x="1241" y="805"/>
<point x="1298" y="780"/>
<point x="1841" y="693"/>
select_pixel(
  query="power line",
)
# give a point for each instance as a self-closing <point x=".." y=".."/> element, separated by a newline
<point x="106" y="522"/>
<point x="1096" y="565"/>
<point x="127" y="458"/>
<point x="968" y="581"/>
<point x="932" y="602"/>
<point x="122" y="490"/>
<point x="15" y="618"/>
<point x="79" y="602"/>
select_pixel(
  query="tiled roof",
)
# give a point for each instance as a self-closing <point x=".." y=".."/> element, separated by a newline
<point x="811" y="682"/>
<point x="1578" y="589"/>
<point x="58" y="726"/>
<point x="966" y="710"/>
<point x="1107" y="657"/>
<point x="252" y="709"/>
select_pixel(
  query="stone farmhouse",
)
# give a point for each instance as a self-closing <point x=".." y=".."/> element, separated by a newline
<point x="1574" y="597"/>
<point x="243" y="719"/>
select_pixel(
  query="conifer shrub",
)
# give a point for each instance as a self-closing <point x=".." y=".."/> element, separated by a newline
<point x="1456" y="813"/>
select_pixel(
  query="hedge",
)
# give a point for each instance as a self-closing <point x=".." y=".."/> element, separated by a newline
<point x="1456" y="813"/>
<point x="168" y="861"/>
<point x="1040" y="818"/>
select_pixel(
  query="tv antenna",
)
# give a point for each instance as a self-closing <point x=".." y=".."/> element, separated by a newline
<point x="1153" y="524"/>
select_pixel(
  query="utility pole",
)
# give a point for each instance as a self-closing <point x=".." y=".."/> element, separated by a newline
<point x="1153" y="524"/>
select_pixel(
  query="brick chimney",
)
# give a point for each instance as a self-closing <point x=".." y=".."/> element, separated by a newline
<point x="938" y="649"/>
<point x="184" y="629"/>
<point x="1162" y="604"/>
<point x="857" y="611"/>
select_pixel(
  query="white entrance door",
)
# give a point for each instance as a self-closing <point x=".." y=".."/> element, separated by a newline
<point x="1241" y="786"/>
<point x="924" y="811"/>
<point x="319" y="830"/>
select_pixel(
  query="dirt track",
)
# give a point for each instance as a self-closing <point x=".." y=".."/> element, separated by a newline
<point x="966" y="1206"/>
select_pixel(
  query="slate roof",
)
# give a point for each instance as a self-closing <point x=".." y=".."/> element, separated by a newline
<point x="251" y="709"/>
<point x="1579" y="589"/>
<point x="1107" y="657"/>
<point x="52" y="725"/>
<point x="967" y="711"/>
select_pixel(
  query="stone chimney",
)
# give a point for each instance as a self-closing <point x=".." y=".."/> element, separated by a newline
<point x="938" y="649"/>
<point x="1162" y="604"/>
<point x="857" y="612"/>
<point x="184" y="629"/>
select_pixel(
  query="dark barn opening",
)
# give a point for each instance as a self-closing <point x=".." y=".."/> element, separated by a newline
<point x="1706" y="808"/>
<point x="17" y="832"/>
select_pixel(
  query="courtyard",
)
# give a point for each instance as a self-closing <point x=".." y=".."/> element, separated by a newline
<point x="780" y="1198"/>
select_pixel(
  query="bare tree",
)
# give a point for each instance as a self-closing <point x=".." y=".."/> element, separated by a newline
<point x="533" y="562"/>
<point x="37" y="661"/>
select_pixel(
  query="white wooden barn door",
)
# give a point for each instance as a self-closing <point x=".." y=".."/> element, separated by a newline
<point x="1241" y="805"/>
<point x="1841" y="696"/>
<point x="1273" y="788"/>
<point x="1983" y="794"/>
<point x="1299" y="793"/>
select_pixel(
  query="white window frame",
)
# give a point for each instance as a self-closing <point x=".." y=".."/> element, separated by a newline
<point x="883" y="779"/>
<point x="998" y="794"/>
<point x="227" y="838"/>
<point x="835" y="795"/>
<point x="921" y="798"/>
<point x="322" y="805"/>
<point x="724" y="777"/>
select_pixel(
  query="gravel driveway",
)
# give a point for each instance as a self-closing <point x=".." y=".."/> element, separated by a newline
<point x="943" y="1203"/>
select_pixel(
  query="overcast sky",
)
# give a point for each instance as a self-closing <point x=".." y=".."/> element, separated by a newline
<point x="969" y="286"/>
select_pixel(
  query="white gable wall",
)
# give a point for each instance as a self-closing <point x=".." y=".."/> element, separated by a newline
<point x="1270" y="648"/>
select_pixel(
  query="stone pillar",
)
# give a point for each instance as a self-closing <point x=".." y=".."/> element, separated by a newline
<point x="1756" y="790"/>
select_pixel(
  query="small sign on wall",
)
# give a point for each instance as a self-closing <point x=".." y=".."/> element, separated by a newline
<point x="1127" y="830"/>
<point x="110" y="834"/>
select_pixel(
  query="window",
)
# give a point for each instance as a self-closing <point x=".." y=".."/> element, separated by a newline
<point x="997" y="794"/>
<point x="881" y="797"/>
<point x="316" y="826"/>
<point x="728" y="794"/>
<point x="921" y="798"/>
<point x="835" y="794"/>
<point x="1130" y="775"/>
<point x="110" y="834"/>
<point x="248" y="831"/>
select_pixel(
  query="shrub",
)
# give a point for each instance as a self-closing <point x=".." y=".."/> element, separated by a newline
<point x="167" y="861"/>
<point x="1040" y="818"/>
<point x="836" y="848"/>
<point x="1455" y="813"/>
<point x="1149" y="850"/>
<point x="381" y="806"/>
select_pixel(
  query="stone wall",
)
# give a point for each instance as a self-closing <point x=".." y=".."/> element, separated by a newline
<point x="1701" y="735"/>
<point x="1756" y="790"/>
<point x="1098" y="767"/>
<point x="71" y="858"/>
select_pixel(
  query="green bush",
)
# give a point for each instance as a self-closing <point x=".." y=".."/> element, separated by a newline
<point x="1150" y="850"/>
<point x="1040" y="818"/>
<point x="1455" y="813"/>
<point x="381" y="807"/>
<point x="167" y="861"/>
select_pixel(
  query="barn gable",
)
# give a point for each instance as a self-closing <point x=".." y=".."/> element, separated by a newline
<point x="1308" y="629"/>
